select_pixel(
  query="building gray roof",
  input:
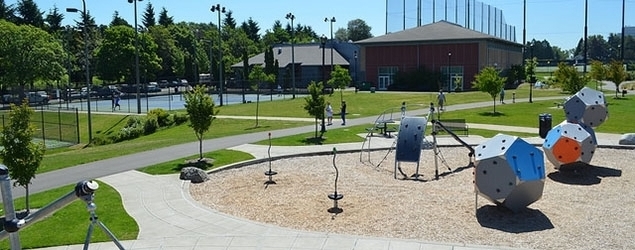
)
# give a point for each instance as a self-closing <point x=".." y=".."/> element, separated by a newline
<point x="309" y="54"/>
<point x="438" y="31"/>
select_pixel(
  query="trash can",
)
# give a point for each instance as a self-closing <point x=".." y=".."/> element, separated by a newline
<point x="544" y="124"/>
<point x="372" y="89"/>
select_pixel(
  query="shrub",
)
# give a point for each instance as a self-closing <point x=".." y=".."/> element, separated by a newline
<point x="150" y="124"/>
<point x="129" y="133"/>
<point x="163" y="118"/>
<point x="102" y="140"/>
<point x="179" y="118"/>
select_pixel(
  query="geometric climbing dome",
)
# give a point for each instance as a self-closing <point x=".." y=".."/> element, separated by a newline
<point x="569" y="143"/>
<point x="509" y="171"/>
<point x="586" y="106"/>
<point x="410" y="139"/>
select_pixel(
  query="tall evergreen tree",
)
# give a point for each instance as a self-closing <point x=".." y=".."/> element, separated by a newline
<point x="54" y="20"/>
<point x="269" y="64"/>
<point x="229" y="21"/>
<point x="164" y="19"/>
<point x="148" y="18"/>
<point x="251" y="29"/>
<point x="28" y="13"/>
<point x="117" y="20"/>
<point x="7" y="12"/>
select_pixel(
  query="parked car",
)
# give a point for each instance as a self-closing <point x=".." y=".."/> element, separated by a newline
<point x="38" y="98"/>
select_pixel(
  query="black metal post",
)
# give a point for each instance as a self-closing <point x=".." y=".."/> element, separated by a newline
<point x="220" y="9"/>
<point x="449" y="72"/>
<point x="291" y="17"/>
<point x="323" y="43"/>
<point x="136" y="47"/>
<point x="86" y="65"/>
<point x="331" y="20"/>
<point x="531" y="77"/>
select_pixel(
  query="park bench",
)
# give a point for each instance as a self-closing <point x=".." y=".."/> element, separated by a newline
<point x="454" y="125"/>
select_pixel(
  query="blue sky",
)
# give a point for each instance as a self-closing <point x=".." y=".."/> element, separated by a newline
<point x="561" y="22"/>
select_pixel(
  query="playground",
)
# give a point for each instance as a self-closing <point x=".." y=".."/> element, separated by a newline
<point x="590" y="208"/>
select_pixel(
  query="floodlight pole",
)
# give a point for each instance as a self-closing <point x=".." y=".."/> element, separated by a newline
<point x="291" y="17"/>
<point x="220" y="9"/>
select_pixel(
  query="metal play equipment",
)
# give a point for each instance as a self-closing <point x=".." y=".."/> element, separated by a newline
<point x="409" y="143"/>
<point x="411" y="140"/>
<point x="586" y="106"/>
<point x="270" y="173"/>
<point x="335" y="196"/>
<point x="568" y="143"/>
<point x="574" y="140"/>
<point x="84" y="190"/>
<point x="509" y="172"/>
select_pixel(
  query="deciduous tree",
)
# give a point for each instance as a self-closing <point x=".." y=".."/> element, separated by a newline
<point x="314" y="102"/>
<point x="489" y="81"/>
<point x="616" y="74"/>
<point x="568" y="78"/>
<point x="340" y="79"/>
<point x="257" y="76"/>
<point x="19" y="153"/>
<point x="201" y="113"/>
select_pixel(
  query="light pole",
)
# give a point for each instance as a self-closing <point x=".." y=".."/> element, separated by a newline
<point x="219" y="9"/>
<point x="355" y="79"/>
<point x="533" y="68"/>
<point x="323" y="43"/>
<point x="332" y="20"/>
<point x="449" y="72"/>
<point x="86" y="65"/>
<point x="136" y="58"/>
<point x="291" y="17"/>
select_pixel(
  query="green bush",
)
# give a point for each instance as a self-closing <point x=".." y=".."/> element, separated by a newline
<point x="163" y="117"/>
<point x="129" y="133"/>
<point x="150" y="124"/>
<point x="179" y="118"/>
<point x="102" y="140"/>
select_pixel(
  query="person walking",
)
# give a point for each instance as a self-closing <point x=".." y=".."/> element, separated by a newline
<point x="440" y="100"/>
<point x="343" y="113"/>
<point x="403" y="110"/>
<point x="117" y="99"/>
<point x="502" y="96"/>
<point x="329" y="114"/>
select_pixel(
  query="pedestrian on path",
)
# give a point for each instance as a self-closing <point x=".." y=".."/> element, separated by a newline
<point x="117" y="105"/>
<point x="343" y="113"/>
<point x="440" y="100"/>
<point x="502" y="96"/>
<point x="403" y="110"/>
<point x="329" y="114"/>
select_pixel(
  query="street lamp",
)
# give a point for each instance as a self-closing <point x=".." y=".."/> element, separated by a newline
<point x="291" y="17"/>
<point x="136" y="58"/>
<point x="86" y="64"/>
<point x="533" y="68"/>
<point x="332" y="20"/>
<point x="323" y="43"/>
<point x="219" y="9"/>
<point x="449" y="72"/>
<point x="355" y="79"/>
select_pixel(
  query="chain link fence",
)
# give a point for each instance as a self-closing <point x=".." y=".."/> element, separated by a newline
<point x="54" y="126"/>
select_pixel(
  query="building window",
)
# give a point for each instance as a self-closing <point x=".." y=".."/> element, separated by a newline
<point x="454" y="79"/>
<point x="386" y="76"/>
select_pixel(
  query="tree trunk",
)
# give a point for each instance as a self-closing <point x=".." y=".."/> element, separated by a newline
<point x="26" y="197"/>
<point x="200" y="147"/>
<point x="257" y="104"/>
<point x="316" y="127"/>
<point x="494" y="105"/>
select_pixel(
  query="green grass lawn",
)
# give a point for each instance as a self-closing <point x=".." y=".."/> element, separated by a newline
<point x="69" y="225"/>
<point x="221" y="158"/>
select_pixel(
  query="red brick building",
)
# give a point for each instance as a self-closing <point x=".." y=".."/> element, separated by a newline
<point x="443" y="47"/>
